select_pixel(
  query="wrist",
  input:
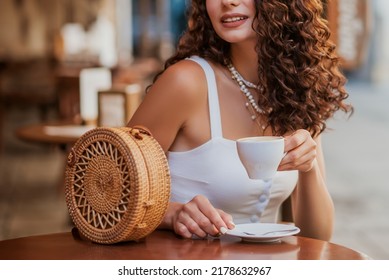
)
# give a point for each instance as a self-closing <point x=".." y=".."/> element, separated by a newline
<point x="311" y="175"/>
<point x="171" y="213"/>
<point x="311" y="169"/>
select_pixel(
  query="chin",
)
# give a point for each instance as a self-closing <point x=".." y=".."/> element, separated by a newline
<point x="239" y="37"/>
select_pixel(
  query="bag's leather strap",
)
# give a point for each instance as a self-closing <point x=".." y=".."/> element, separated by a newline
<point x="137" y="130"/>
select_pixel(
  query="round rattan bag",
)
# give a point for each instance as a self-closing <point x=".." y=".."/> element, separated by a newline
<point x="117" y="184"/>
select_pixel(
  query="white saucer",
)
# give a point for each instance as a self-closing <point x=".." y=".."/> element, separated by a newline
<point x="262" y="232"/>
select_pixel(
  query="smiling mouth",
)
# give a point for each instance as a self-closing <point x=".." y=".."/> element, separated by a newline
<point x="233" y="19"/>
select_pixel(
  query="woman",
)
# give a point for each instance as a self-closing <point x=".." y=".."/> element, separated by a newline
<point x="256" y="68"/>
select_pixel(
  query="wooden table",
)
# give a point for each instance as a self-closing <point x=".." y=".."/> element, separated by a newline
<point x="45" y="133"/>
<point x="165" y="245"/>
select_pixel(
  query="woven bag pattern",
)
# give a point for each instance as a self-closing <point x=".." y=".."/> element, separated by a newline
<point x="117" y="184"/>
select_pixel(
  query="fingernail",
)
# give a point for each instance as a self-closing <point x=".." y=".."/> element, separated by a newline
<point x="232" y="223"/>
<point x="223" y="230"/>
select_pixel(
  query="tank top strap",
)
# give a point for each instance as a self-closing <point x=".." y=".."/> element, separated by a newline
<point x="213" y="99"/>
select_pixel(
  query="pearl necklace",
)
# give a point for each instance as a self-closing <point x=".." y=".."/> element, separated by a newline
<point x="242" y="84"/>
<point x="247" y="83"/>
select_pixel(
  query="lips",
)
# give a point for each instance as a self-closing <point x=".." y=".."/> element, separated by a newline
<point x="233" y="19"/>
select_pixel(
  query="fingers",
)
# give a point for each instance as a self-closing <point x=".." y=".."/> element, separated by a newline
<point x="296" y="139"/>
<point x="295" y="162"/>
<point x="200" y="218"/>
<point x="300" y="151"/>
<point x="216" y="217"/>
<point x="227" y="218"/>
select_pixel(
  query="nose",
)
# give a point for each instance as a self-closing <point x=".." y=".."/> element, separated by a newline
<point x="231" y="2"/>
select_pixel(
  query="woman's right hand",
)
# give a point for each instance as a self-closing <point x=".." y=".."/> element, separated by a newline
<point x="197" y="217"/>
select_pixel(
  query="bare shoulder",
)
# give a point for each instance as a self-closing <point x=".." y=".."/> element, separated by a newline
<point x="177" y="96"/>
<point x="185" y="78"/>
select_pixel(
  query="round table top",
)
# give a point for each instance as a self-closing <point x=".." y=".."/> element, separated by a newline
<point x="165" y="245"/>
<point x="52" y="133"/>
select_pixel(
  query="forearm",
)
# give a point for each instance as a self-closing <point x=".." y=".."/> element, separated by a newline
<point x="313" y="209"/>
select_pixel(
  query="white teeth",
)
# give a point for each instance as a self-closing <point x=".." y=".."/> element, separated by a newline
<point x="233" y="19"/>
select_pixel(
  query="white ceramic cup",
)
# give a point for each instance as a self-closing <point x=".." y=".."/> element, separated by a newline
<point x="261" y="155"/>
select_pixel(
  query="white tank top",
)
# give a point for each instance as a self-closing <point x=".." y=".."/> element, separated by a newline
<point x="215" y="171"/>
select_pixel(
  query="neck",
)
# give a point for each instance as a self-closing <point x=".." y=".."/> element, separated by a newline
<point x="245" y="60"/>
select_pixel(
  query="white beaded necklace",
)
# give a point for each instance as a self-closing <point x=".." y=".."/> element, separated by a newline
<point x="247" y="83"/>
<point x="242" y="84"/>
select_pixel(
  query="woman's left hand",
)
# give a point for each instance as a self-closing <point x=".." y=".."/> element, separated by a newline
<point x="300" y="149"/>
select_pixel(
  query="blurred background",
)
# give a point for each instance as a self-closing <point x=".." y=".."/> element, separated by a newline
<point x="56" y="53"/>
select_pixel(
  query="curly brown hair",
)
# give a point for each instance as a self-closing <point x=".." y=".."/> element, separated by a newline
<point x="297" y="63"/>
